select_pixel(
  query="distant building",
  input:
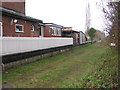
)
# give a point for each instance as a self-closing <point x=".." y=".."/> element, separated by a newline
<point x="78" y="37"/>
<point x="67" y="32"/>
<point x="99" y="35"/>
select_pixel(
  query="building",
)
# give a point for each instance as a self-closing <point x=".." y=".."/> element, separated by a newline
<point x="82" y="38"/>
<point x="52" y="30"/>
<point x="15" y="26"/>
<point x="99" y="35"/>
<point x="69" y="32"/>
<point x="78" y="36"/>
<point x="14" y="22"/>
<point x="17" y="7"/>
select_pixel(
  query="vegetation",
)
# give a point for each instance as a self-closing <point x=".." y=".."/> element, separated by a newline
<point x="105" y="74"/>
<point x="90" y="66"/>
<point x="111" y="19"/>
<point x="91" y="33"/>
<point x="86" y="38"/>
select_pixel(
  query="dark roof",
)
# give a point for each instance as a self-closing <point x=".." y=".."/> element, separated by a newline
<point x="52" y="24"/>
<point x="16" y="15"/>
<point x="67" y="27"/>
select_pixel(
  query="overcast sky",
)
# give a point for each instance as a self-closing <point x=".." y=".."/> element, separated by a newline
<point x="69" y="13"/>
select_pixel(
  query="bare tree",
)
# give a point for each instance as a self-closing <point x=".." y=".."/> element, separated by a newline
<point x="111" y="17"/>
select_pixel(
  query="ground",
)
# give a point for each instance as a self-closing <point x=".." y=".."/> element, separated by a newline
<point x="77" y="68"/>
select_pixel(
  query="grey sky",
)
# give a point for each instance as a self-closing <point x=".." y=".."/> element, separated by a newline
<point x="69" y="13"/>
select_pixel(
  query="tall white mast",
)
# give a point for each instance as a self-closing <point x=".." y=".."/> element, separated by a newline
<point x="88" y="21"/>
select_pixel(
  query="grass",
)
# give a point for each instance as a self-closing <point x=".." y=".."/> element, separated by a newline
<point x="105" y="74"/>
<point x="77" y="68"/>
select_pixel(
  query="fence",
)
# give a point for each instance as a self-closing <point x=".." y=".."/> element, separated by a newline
<point x="13" y="45"/>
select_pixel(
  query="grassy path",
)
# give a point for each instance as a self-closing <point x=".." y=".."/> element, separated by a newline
<point x="61" y="71"/>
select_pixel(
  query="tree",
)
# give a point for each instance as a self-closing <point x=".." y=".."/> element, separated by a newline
<point x="91" y="33"/>
<point x="86" y="38"/>
<point x="111" y="17"/>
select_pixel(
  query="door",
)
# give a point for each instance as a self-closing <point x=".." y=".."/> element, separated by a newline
<point x="41" y="31"/>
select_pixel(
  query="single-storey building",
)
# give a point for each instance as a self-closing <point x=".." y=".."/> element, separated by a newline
<point x="82" y="38"/>
<point x="69" y="32"/>
<point x="52" y="30"/>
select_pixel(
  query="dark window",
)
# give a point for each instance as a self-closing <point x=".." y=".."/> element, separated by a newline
<point x="19" y="28"/>
<point x="39" y="28"/>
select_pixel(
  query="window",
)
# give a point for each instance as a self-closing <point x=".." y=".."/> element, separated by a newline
<point x="55" y="31"/>
<point x="39" y="27"/>
<point x="32" y="27"/>
<point x="19" y="28"/>
<point x="52" y="30"/>
<point x="59" y="32"/>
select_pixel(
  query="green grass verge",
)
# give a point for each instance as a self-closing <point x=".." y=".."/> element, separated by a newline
<point x="83" y="67"/>
<point x="105" y="74"/>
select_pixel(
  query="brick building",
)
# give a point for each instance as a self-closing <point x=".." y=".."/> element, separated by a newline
<point x="82" y="38"/>
<point x="14" y="23"/>
<point x="18" y="6"/>
<point x="52" y="30"/>
<point x="69" y="32"/>
<point x="99" y="35"/>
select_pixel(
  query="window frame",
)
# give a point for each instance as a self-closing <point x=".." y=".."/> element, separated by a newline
<point x="59" y="31"/>
<point x="22" y="28"/>
<point x="52" y="31"/>
<point x="32" y="27"/>
<point x="55" y="32"/>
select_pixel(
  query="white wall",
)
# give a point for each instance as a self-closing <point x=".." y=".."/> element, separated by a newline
<point x="12" y="45"/>
<point x="81" y="38"/>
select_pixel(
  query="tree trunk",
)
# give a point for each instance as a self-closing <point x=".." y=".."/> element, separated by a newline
<point x="91" y="41"/>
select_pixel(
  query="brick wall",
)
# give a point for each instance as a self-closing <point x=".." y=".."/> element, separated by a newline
<point x="74" y="38"/>
<point x="17" y="6"/>
<point x="48" y="32"/>
<point x="9" y="28"/>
